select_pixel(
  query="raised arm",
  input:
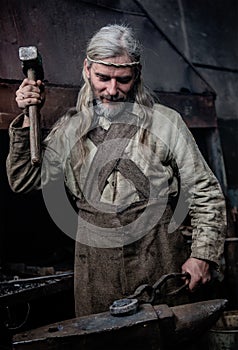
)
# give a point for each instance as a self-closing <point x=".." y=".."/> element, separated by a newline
<point x="22" y="176"/>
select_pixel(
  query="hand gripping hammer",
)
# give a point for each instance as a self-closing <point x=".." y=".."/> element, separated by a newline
<point x="32" y="68"/>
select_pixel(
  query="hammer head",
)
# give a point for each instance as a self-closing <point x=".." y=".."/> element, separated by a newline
<point x="31" y="60"/>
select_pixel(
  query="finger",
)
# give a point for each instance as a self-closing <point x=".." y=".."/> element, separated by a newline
<point x="194" y="285"/>
<point x="192" y="282"/>
<point x="31" y="101"/>
<point x="40" y="83"/>
<point x="31" y="94"/>
<point x="186" y="277"/>
<point x="27" y="82"/>
<point x="27" y="88"/>
<point x="206" y="280"/>
<point x="28" y="91"/>
<point x="21" y="104"/>
<point x="23" y="101"/>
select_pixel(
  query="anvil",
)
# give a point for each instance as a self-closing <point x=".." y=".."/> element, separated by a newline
<point x="155" y="327"/>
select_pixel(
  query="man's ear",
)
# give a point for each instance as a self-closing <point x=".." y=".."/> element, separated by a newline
<point x="86" y="68"/>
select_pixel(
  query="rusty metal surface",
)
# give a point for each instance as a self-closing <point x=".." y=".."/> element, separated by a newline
<point x="149" y="328"/>
<point x="27" y="289"/>
<point x="197" y="110"/>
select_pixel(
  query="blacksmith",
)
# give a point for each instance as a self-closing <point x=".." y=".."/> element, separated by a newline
<point x="132" y="172"/>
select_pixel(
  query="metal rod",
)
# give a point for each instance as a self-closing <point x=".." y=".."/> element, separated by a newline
<point x="36" y="279"/>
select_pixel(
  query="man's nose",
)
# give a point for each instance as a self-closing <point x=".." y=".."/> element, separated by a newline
<point x="112" y="87"/>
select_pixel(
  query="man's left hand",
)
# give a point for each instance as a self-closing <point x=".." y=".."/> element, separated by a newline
<point x="199" y="270"/>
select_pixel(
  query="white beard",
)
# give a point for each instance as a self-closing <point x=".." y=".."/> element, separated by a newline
<point x="109" y="110"/>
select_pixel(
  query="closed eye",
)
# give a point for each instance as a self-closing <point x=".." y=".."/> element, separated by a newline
<point x="124" y="80"/>
<point x="103" y="77"/>
<point x="120" y="80"/>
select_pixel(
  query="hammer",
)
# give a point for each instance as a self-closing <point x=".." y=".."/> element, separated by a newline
<point x="32" y="68"/>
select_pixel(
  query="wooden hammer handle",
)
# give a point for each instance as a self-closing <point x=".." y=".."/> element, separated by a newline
<point x="34" y="127"/>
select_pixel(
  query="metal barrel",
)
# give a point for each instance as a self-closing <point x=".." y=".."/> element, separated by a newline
<point x="224" y="334"/>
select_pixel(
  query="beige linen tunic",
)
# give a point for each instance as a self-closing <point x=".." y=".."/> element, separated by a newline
<point x="136" y="171"/>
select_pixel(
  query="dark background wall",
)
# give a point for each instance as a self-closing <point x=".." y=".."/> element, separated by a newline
<point x="190" y="59"/>
<point x="190" y="47"/>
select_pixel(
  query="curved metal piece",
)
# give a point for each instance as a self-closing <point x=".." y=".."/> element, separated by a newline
<point x="163" y="280"/>
<point x="150" y="293"/>
<point x="124" y="307"/>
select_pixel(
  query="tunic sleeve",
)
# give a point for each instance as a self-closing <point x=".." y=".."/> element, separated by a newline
<point x="22" y="176"/>
<point x="202" y="192"/>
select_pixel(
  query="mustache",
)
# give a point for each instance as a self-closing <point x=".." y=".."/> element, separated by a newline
<point x="113" y="98"/>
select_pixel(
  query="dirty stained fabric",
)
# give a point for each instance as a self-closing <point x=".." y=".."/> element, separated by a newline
<point x="137" y="170"/>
